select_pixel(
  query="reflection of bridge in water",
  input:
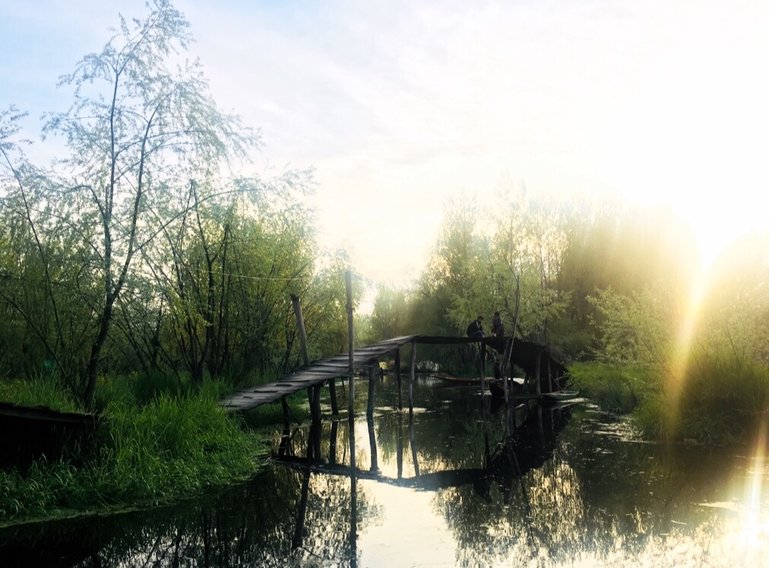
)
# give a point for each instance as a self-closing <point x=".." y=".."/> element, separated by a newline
<point x="510" y="459"/>
<point x="529" y="441"/>
<point x="527" y="447"/>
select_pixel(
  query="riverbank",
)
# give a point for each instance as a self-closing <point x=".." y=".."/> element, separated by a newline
<point x="176" y="444"/>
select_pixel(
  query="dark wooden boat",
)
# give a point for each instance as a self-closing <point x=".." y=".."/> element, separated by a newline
<point x="454" y="379"/>
<point x="30" y="432"/>
<point x="559" y="395"/>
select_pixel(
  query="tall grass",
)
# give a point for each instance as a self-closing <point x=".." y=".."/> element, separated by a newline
<point x="723" y="398"/>
<point x="619" y="389"/>
<point x="173" y="446"/>
<point x="39" y="391"/>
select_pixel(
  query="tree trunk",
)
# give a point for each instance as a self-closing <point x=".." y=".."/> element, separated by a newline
<point x="93" y="362"/>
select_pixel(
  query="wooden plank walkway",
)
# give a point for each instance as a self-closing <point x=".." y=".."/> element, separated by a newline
<point x="525" y="355"/>
<point x="316" y="374"/>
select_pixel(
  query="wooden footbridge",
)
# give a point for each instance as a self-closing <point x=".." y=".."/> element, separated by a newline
<point x="529" y="356"/>
<point x="315" y="375"/>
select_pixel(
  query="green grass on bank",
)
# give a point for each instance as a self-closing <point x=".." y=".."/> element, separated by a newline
<point x="38" y="392"/>
<point x="159" y="442"/>
<point x="722" y="399"/>
<point x="616" y="389"/>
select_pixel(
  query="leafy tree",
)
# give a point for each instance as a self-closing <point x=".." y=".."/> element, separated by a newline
<point x="527" y="248"/>
<point x="136" y="130"/>
<point x="390" y="316"/>
<point x="635" y="329"/>
<point x="627" y="250"/>
<point x="735" y="310"/>
<point x="453" y="275"/>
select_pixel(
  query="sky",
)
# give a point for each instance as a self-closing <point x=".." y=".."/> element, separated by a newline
<point x="401" y="106"/>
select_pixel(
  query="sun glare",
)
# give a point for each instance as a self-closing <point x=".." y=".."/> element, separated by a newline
<point x="754" y="531"/>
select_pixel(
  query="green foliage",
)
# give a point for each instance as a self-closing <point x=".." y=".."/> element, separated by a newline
<point x="138" y="255"/>
<point x="735" y="311"/>
<point x="634" y="329"/>
<point x="390" y="316"/>
<point x="616" y="388"/>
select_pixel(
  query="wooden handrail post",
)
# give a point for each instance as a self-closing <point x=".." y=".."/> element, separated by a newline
<point x="350" y="347"/>
<point x="539" y="371"/>
<point x="398" y="377"/>
<point x="413" y="375"/>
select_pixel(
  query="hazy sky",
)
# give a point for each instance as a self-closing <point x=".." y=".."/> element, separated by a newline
<point x="399" y="105"/>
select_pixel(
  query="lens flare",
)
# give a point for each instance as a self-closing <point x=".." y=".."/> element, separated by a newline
<point x="682" y="350"/>
<point x="755" y="522"/>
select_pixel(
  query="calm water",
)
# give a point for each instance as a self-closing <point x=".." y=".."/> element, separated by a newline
<point x="459" y="483"/>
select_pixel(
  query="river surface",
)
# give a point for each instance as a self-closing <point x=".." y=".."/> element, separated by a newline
<point x="460" y="481"/>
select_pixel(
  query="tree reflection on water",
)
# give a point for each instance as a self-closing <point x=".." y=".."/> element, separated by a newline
<point x="456" y="483"/>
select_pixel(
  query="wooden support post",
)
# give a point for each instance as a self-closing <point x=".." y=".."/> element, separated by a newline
<point x="399" y="447"/>
<point x="350" y="348"/>
<point x="286" y="414"/>
<point x="398" y="377"/>
<point x="332" y="394"/>
<point x="549" y="373"/>
<point x="316" y="404"/>
<point x="351" y="422"/>
<point x="312" y="392"/>
<point x="332" y="442"/>
<point x="371" y="392"/>
<point x="482" y="376"/>
<point x="372" y="445"/>
<point x="413" y="375"/>
<point x="539" y="374"/>
<point x="504" y="373"/>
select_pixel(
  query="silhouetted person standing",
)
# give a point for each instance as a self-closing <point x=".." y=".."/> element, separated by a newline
<point x="497" y="327"/>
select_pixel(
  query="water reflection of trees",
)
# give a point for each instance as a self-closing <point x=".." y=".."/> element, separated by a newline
<point x="244" y="527"/>
<point x="284" y="517"/>
<point x="526" y="505"/>
<point x="511" y="488"/>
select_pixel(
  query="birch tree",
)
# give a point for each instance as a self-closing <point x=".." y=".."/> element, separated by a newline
<point x="142" y="125"/>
